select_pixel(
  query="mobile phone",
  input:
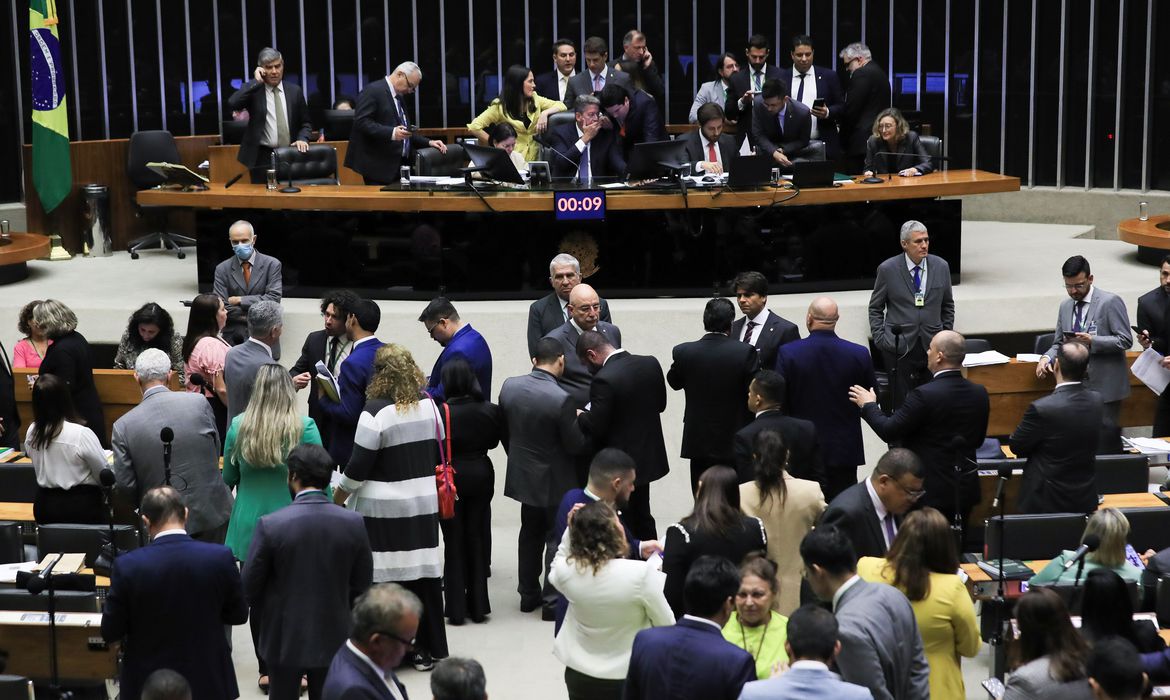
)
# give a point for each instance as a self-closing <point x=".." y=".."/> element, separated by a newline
<point x="1136" y="330"/>
<point x="819" y="103"/>
<point x="994" y="687"/>
<point x="1068" y="335"/>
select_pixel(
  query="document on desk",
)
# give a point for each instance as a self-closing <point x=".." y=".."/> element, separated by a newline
<point x="1148" y="446"/>
<point x="1148" y="368"/>
<point x="8" y="571"/>
<point x="990" y="357"/>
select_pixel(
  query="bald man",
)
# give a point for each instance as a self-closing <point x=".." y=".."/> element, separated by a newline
<point x="818" y="371"/>
<point x="584" y="315"/>
<point x="942" y="421"/>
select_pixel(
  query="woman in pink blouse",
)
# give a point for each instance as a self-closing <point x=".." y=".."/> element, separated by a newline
<point x="204" y="352"/>
<point x="31" y="349"/>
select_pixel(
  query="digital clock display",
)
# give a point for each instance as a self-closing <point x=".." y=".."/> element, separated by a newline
<point x="579" y="205"/>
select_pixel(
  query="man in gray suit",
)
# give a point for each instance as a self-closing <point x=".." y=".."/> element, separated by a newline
<point x="540" y="439"/>
<point x="881" y="647"/>
<point x="584" y="315"/>
<point x="1099" y="319"/>
<point x="311" y="550"/>
<point x="598" y="72"/>
<point x="265" y="324"/>
<point x="548" y="313"/>
<point x="194" y="463"/>
<point x="244" y="279"/>
<point x="911" y="301"/>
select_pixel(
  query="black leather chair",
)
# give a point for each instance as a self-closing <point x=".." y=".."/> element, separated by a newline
<point x="1149" y="528"/>
<point x="316" y="166"/>
<point x="67" y="601"/>
<point x="232" y="131"/>
<point x="16" y="688"/>
<point x="560" y="118"/>
<point x="1043" y="342"/>
<point x="430" y="162"/>
<point x="1028" y="537"/>
<point x="974" y="345"/>
<point x="11" y="542"/>
<point x="338" y="124"/>
<point x="933" y="146"/>
<point x="87" y="539"/>
<point x="1122" y="474"/>
<point x="18" y="483"/>
<point x="151" y="147"/>
<point x="1073" y="595"/>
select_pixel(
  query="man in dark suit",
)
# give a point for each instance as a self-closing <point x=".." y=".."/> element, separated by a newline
<point x="585" y="150"/>
<point x="383" y="138"/>
<point x="244" y="279"/>
<point x="691" y="660"/>
<point x="747" y="84"/>
<point x="277" y="114"/>
<point x="309" y="550"/>
<point x="780" y="126"/>
<point x="943" y="422"/>
<point x="639" y="62"/>
<point x="866" y="95"/>
<point x="709" y="150"/>
<point x="809" y="83"/>
<point x="760" y="327"/>
<point x="168" y="603"/>
<point x="634" y="115"/>
<point x="265" y="326"/>
<point x="1058" y="436"/>
<point x="818" y="372"/>
<point x="385" y="622"/>
<point x="550" y="312"/>
<point x="871" y="511"/>
<point x="584" y="315"/>
<point x="1153" y="322"/>
<point x="598" y="73"/>
<point x="352" y="378"/>
<point x="714" y="371"/>
<point x="764" y="400"/>
<point x="328" y="346"/>
<point x="626" y="400"/>
<point x="442" y="323"/>
<point x="554" y="84"/>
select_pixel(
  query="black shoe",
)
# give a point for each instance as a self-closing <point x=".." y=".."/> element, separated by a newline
<point x="422" y="661"/>
<point x="548" y="613"/>
<point x="529" y="604"/>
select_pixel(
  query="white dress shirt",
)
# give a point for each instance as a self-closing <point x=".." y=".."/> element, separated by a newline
<point x="718" y="153"/>
<point x="881" y="512"/>
<point x="387" y="678"/>
<point x="810" y="93"/>
<point x="73" y="458"/>
<point x="759" y="319"/>
<point x="922" y="274"/>
<point x="270" y="114"/>
<point x="563" y="82"/>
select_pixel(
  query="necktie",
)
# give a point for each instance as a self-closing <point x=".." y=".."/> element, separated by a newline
<point x="1078" y="318"/>
<point x="282" y="138"/>
<point x="565" y="309"/>
<point x="583" y="171"/>
<point x="334" y="343"/>
<point x="780" y="123"/>
<point x="759" y="76"/>
<point x="888" y="524"/>
<point x="917" y="278"/>
<point x="747" y="335"/>
<point x="402" y="121"/>
<point x="711" y="152"/>
<point x="597" y="83"/>
<point x="563" y="86"/>
<point x="800" y="90"/>
<point x="247" y="274"/>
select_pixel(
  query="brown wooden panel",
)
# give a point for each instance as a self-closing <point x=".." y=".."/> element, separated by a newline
<point x="24" y="247"/>
<point x="225" y="166"/>
<point x="28" y="648"/>
<point x="1145" y="233"/>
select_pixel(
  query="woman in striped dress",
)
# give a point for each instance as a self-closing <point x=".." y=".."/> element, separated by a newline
<point x="390" y="480"/>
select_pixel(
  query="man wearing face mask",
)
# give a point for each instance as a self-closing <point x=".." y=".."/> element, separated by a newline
<point x="245" y="278"/>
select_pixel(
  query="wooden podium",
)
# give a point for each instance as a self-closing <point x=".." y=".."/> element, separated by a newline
<point x="82" y="654"/>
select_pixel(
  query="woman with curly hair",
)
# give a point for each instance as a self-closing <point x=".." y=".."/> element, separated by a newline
<point x="390" y="480"/>
<point x="29" y="350"/>
<point x="69" y="358"/>
<point x="150" y="327"/>
<point x="611" y="598"/>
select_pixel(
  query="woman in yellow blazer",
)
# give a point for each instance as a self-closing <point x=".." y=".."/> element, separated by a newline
<point x="922" y="563"/>
<point x="520" y="106"/>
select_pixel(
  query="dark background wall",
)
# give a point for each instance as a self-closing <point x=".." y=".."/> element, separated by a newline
<point x="1029" y="88"/>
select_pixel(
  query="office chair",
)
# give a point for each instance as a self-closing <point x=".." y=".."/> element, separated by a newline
<point x="151" y="147"/>
<point x="429" y="161"/>
<point x="316" y="166"/>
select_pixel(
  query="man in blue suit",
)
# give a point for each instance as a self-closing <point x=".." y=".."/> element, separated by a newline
<point x="169" y="601"/>
<point x="356" y="371"/>
<point x="385" y="622"/>
<point x="692" y="659"/>
<point x="584" y="149"/>
<point x="458" y="340"/>
<point x="818" y="371"/>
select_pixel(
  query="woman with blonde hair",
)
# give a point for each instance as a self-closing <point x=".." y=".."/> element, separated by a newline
<point x="68" y="358"/>
<point x="1110" y="528"/>
<point x="390" y="480"/>
<point x="894" y="148"/>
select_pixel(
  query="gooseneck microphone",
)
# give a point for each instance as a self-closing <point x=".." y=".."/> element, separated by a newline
<point x="167" y="436"/>
<point x="1090" y="544"/>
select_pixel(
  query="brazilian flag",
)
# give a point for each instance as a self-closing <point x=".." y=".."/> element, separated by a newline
<point x="52" y="173"/>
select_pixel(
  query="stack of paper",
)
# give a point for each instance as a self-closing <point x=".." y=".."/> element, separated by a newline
<point x="1027" y="357"/>
<point x="1148" y="368"/>
<point x="991" y="357"/>
<point x="1148" y="446"/>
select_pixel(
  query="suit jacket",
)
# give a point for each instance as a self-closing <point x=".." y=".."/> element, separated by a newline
<point x="372" y="151"/>
<point x="714" y="371"/>
<point x="685" y="661"/>
<point x="540" y="439"/>
<point x="239" y="373"/>
<point x="266" y="282"/>
<point x="766" y="134"/>
<point x="605" y="153"/>
<point x="252" y="97"/>
<point x="582" y="84"/>
<point x="195" y="451"/>
<point x="696" y="153"/>
<point x="470" y="345"/>
<point x="168" y="603"/>
<point x="911" y="154"/>
<point x="712" y="91"/>
<point x="1058" y="436"/>
<point x="853" y="513"/>
<point x="350" y="678"/>
<point x="545" y="316"/>
<point x="800" y="436"/>
<point x="1033" y="682"/>
<point x="686" y="543"/>
<point x="576" y="378"/>
<point x="867" y="93"/>
<point x="777" y="331"/>
<point x="651" y="80"/>
<point x="548" y="85"/>
<point x="828" y="89"/>
<point x="627" y="398"/>
<point x="1106" y="314"/>
<point x="804" y="683"/>
<point x="881" y="647"/>
<point x="68" y="358"/>
<point x="738" y="85"/>
<point x="643" y="123"/>
<point x="312" y="352"/>
<point x="1153" y="315"/>
<point x="353" y="378"/>
<point x="818" y="372"/>
<point x="892" y="304"/>
<point x="928" y="422"/>
<point x="306" y="605"/>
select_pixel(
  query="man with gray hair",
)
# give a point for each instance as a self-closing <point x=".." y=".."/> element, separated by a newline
<point x="585" y="150"/>
<point x="277" y="114"/>
<point x="550" y="312"/>
<point x="265" y="324"/>
<point x="866" y="94"/>
<point x="458" y="679"/>
<point x="383" y="138"/>
<point x="244" y="279"/>
<point x="385" y="622"/>
<point x="193" y="469"/>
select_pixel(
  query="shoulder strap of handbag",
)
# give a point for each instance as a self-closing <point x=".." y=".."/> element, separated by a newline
<point x="447" y="456"/>
<point x="444" y="454"/>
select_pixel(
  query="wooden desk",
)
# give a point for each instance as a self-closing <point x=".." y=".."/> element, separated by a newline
<point x="17" y="251"/>
<point x="223" y="164"/>
<point x="1132" y="500"/>
<point x="26" y="638"/>
<point x="20" y="512"/>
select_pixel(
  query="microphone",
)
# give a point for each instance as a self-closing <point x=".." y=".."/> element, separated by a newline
<point x="40" y="582"/>
<point x="107" y="479"/>
<point x="290" y="188"/>
<point x="167" y="435"/>
<point x="576" y="166"/>
<point x="1005" y="473"/>
<point x="233" y="181"/>
<point x="871" y="180"/>
<point x="1091" y="543"/>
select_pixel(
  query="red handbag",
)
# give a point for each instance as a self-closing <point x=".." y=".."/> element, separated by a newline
<point x="444" y="472"/>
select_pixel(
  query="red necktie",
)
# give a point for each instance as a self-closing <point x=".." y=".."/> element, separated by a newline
<point x="247" y="274"/>
<point x="711" y="152"/>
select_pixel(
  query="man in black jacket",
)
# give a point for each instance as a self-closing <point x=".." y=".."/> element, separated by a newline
<point x="780" y="126"/>
<point x="1153" y="319"/>
<point x="745" y="85"/>
<point x="328" y="345"/>
<point x="584" y="149"/>
<point x="709" y="150"/>
<point x="764" y="398"/>
<point x="277" y="114"/>
<point x="869" y="513"/>
<point x="866" y="95"/>
<point x="635" y="116"/>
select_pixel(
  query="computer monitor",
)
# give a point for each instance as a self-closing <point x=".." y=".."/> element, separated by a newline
<point x="647" y="159"/>
<point x="750" y="171"/>
<point x="233" y="131"/>
<point x="813" y="173"/>
<point x="338" y="124"/>
<point x="495" y="162"/>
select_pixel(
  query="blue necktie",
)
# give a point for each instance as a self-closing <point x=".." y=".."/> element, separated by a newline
<point x="758" y="76"/>
<point x="583" y="170"/>
<point x="402" y="122"/>
<point x="917" y="279"/>
<point x="1077" y="316"/>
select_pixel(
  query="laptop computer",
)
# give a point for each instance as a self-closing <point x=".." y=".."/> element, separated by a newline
<point x="495" y="163"/>
<point x="813" y="173"/>
<point x="750" y="171"/>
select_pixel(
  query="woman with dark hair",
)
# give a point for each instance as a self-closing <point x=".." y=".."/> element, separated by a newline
<point x="29" y="350"/>
<point x="716" y="90"/>
<point x="520" y="106"/>
<point x="68" y="358"/>
<point x="1048" y="659"/>
<point x="150" y="327"/>
<point x="921" y="563"/>
<point x="755" y="626"/>
<point x="784" y="504"/>
<point x="892" y="135"/>
<point x="1107" y="610"/>
<point x="715" y="526"/>
<point x="476" y="427"/>
<point x="501" y="135"/>
<point x="204" y="352"/>
<point x="66" y="456"/>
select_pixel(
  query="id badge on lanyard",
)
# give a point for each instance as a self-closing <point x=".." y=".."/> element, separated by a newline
<point x="920" y="299"/>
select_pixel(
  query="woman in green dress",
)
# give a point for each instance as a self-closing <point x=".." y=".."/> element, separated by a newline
<point x="755" y="626"/>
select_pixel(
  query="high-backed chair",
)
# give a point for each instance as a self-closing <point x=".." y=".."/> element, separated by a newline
<point x="87" y="539"/>
<point x="430" y="162"/>
<point x="1149" y="528"/>
<point x="974" y="345"/>
<point x="1028" y="537"/>
<point x="1122" y="474"/>
<point x="338" y="124"/>
<point x="1073" y="595"/>
<point x="153" y="147"/>
<point x="67" y="601"/>
<point x="18" y="483"/>
<point x="1043" y="342"/>
<point x="11" y="542"/>
<point x="933" y="146"/>
<point x="316" y="166"/>
<point x="557" y="120"/>
<point x="232" y="131"/>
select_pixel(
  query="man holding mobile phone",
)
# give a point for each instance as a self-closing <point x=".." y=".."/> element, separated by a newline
<point x="747" y="84"/>
<point x="819" y="89"/>
<point x="279" y="116"/>
<point x="1153" y="331"/>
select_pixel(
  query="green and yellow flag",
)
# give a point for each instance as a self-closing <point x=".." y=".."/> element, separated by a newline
<point x="52" y="173"/>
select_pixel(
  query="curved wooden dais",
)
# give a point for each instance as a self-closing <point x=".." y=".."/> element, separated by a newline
<point x="1152" y="237"/>
<point x="17" y="251"/>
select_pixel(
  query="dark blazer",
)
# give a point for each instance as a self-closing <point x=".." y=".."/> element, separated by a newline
<point x="643" y="123"/>
<point x="828" y="89"/>
<point x="545" y="316"/>
<point x="927" y="423"/>
<point x="853" y="513"/>
<point x="350" y="678"/>
<point x="766" y="135"/>
<point x="696" y="152"/>
<point x="605" y="154"/>
<point x="1058" y="436"/>
<point x="468" y="344"/>
<point x="867" y="93"/>
<point x="804" y="454"/>
<point x="168" y="603"/>
<point x="777" y="331"/>
<point x="312" y="352"/>
<point x="540" y="438"/>
<point x="1153" y="315"/>
<point x="714" y="371"/>
<point x="582" y="84"/>
<point x="547" y="85"/>
<point x="911" y="154"/>
<point x="372" y="151"/>
<point x="68" y="359"/>
<point x="627" y="398"/>
<point x="651" y="80"/>
<point x="252" y="97"/>
<point x="353" y="378"/>
<point x="737" y="86"/>
<point x="306" y="605"/>
<point x="685" y="543"/>
<point x="687" y="661"/>
<point x="266" y="282"/>
<point x="576" y="378"/>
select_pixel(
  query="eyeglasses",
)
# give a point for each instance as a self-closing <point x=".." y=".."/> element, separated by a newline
<point x="912" y="495"/>
<point x="409" y="87"/>
<point x="1078" y="286"/>
<point x="400" y="640"/>
<point x="431" y="328"/>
